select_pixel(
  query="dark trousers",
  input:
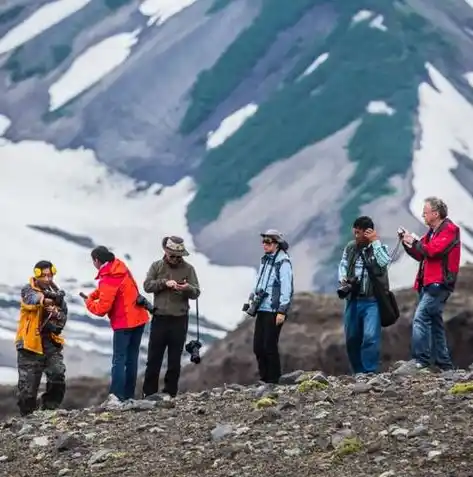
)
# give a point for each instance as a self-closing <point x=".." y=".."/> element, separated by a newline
<point x="166" y="332"/>
<point x="31" y="367"/>
<point x="126" y="350"/>
<point x="265" y="346"/>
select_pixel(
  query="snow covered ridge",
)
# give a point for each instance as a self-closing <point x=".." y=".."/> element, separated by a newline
<point x="42" y="19"/>
<point x="98" y="60"/>
<point x="90" y="67"/>
<point x="56" y="11"/>
<point x="86" y="204"/>
<point x="87" y="200"/>
<point x="434" y="161"/>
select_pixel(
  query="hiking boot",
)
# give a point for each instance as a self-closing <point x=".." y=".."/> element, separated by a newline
<point x="410" y="368"/>
<point x="112" y="402"/>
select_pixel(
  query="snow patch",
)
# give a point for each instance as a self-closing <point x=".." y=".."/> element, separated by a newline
<point x="469" y="76"/>
<point x="362" y="16"/>
<point x="90" y="67"/>
<point x="42" y="19"/>
<point x="230" y="125"/>
<point x="445" y="118"/>
<point x="378" y="23"/>
<point x="159" y="11"/>
<point x="88" y="199"/>
<point x="470" y="2"/>
<point x="380" y="107"/>
<point x="315" y="64"/>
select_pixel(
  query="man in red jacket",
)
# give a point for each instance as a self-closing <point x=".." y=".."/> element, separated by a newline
<point x="116" y="296"/>
<point x="438" y="254"/>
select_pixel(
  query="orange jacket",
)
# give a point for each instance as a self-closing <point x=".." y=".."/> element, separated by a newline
<point x="28" y="335"/>
<point x="116" y="297"/>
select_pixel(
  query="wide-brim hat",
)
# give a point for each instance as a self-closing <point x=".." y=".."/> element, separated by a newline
<point x="278" y="237"/>
<point x="175" y="246"/>
<point x="273" y="234"/>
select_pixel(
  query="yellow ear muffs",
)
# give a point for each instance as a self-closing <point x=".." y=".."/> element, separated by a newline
<point x="38" y="272"/>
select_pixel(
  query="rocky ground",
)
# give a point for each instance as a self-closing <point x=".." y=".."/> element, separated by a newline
<point x="380" y="425"/>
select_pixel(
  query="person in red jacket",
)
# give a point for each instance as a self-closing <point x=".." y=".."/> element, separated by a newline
<point x="438" y="254"/>
<point x="116" y="297"/>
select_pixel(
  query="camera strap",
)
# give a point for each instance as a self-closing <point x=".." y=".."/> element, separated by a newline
<point x="197" y="318"/>
<point x="271" y="266"/>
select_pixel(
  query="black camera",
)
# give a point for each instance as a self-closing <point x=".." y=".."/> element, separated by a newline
<point x="56" y="296"/>
<point x="352" y="285"/>
<point x="401" y="231"/>
<point x="251" y="308"/>
<point x="193" y="348"/>
<point x="142" y="302"/>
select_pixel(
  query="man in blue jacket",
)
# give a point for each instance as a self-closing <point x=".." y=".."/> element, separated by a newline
<point x="270" y="302"/>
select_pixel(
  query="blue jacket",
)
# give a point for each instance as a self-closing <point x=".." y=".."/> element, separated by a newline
<point x="276" y="278"/>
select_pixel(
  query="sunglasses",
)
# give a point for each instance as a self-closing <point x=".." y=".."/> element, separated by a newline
<point x="268" y="241"/>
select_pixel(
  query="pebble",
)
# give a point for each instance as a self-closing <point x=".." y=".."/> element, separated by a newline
<point x="99" y="456"/>
<point x="221" y="431"/>
<point x="41" y="441"/>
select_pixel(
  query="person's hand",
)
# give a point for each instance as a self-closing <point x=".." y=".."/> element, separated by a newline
<point x="171" y="284"/>
<point x="51" y="309"/>
<point x="280" y="319"/>
<point x="182" y="286"/>
<point x="371" y="235"/>
<point x="408" y="238"/>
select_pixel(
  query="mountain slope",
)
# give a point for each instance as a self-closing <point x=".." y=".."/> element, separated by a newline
<point x="215" y="119"/>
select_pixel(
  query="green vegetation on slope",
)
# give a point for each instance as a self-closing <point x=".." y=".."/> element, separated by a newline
<point x="213" y="86"/>
<point x="365" y="64"/>
<point x="11" y="14"/>
<point x="50" y="59"/>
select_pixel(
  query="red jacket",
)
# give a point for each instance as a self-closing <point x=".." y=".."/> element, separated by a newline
<point x="439" y="255"/>
<point x="116" y="296"/>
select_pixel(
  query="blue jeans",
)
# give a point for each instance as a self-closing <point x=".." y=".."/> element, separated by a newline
<point x="126" y="350"/>
<point x="429" y="343"/>
<point x="363" y="334"/>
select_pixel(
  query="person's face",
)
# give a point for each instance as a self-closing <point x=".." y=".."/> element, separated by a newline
<point x="359" y="235"/>
<point x="269" y="245"/>
<point x="172" y="258"/>
<point x="96" y="263"/>
<point x="430" y="217"/>
<point x="45" y="279"/>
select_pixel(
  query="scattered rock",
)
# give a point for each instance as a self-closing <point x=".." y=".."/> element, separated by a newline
<point x="67" y="442"/>
<point x="291" y="378"/>
<point x="360" y="388"/>
<point x="327" y="429"/>
<point x="41" y="441"/>
<point x="99" y="456"/>
<point x="221" y="431"/>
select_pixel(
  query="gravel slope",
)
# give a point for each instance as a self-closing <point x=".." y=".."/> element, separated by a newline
<point x="384" y="425"/>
